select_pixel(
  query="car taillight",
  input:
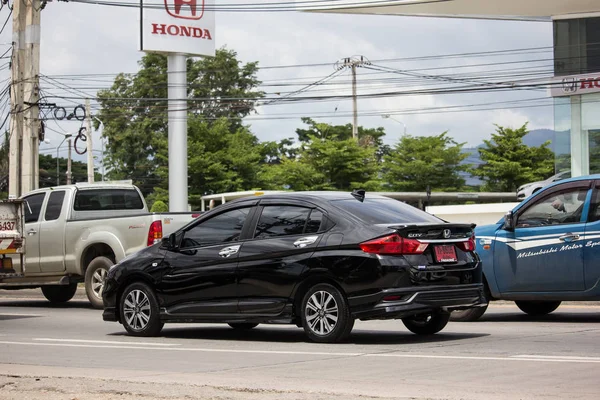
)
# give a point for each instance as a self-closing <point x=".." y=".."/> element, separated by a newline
<point x="468" y="245"/>
<point x="393" y="244"/>
<point x="155" y="233"/>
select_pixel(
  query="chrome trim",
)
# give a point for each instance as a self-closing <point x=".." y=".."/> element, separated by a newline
<point x="443" y="240"/>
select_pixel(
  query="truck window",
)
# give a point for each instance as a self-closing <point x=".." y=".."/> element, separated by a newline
<point x="557" y="208"/>
<point x="595" y="207"/>
<point x="33" y="207"/>
<point x="54" y="207"/>
<point x="108" y="199"/>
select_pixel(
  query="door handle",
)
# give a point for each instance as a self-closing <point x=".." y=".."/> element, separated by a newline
<point x="569" y="237"/>
<point x="305" y="241"/>
<point x="229" y="251"/>
<point x="31" y="232"/>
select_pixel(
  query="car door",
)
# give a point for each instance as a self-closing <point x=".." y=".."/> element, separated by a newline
<point x="591" y="247"/>
<point x="284" y="238"/>
<point x="52" y="233"/>
<point x="544" y="253"/>
<point x="199" y="278"/>
<point x="33" y="209"/>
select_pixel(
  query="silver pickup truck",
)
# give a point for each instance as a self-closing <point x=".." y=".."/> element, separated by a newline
<point x="76" y="233"/>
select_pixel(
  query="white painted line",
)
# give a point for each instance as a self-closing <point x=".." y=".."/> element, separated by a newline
<point x="106" y="342"/>
<point x="557" y="357"/>
<point x="578" y="360"/>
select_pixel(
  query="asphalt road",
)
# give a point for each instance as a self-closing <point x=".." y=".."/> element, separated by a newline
<point x="506" y="355"/>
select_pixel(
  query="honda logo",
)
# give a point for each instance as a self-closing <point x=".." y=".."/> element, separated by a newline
<point x="569" y="85"/>
<point x="185" y="9"/>
<point x="447" y="233"/>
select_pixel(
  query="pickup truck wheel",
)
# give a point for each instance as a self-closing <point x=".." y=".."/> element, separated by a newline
<point x="427" y="324"/>
<point x="139" y="310"/>
<point x="537" y="308"/>
<point x="59" y="293"/>
<point x="94" y="279"/>
<point x="325" y="314"/>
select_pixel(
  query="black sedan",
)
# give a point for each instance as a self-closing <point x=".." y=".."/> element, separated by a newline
<point x="319" y="260"/>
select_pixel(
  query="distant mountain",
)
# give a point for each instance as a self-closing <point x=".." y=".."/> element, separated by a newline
<point x="560" y="144"/>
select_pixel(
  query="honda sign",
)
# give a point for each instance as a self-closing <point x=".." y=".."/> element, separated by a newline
<point x="178" y="26"/>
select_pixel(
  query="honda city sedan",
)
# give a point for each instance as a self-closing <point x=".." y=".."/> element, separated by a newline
<point x="319" y="260"/>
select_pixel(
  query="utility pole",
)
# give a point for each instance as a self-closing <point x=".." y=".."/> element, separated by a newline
<point x="16" y="101"/>
<point x="69" y="162"/>
<point x="90" y="148"/>
<point x="25" y="126"/>
<point x="352" y="63"/>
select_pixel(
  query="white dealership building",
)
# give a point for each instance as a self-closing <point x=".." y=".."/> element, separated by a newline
<point x="576" y="83"/>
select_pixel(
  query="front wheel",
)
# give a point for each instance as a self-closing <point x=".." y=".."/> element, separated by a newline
<point x="59" y="293"/>
<point x="325" y="314"/>
<point x="139" y="310"/>
<point x="95" y="275"/>
<point x="537" y="308"/>
<point x="427" y="324"/>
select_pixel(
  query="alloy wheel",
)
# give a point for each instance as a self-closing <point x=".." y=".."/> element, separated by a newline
<point x="321" y="313"/>
<point x="98" y="281"/>
<point x="136" y="310"/>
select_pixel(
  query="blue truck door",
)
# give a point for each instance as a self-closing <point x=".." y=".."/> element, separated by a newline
<point x="591" y="251"/>
<point x="545" y="251"/>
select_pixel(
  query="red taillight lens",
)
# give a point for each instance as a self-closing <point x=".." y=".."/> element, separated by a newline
<point x="393" y="244"/>
<point x="468" y="245"/>
<point x="155" y="233"/>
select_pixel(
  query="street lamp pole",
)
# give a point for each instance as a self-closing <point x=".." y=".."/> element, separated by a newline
<point x="67" y="136"/>
<point x="102" y="144"/>
<point x="388" y="116"/>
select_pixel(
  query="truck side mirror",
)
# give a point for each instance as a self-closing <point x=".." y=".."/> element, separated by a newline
<point x="509" y="221"/>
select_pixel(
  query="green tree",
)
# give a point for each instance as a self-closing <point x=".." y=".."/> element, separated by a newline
<point x="159" y="206"/>
<point x="418" y="162"/>
<point x="134" y="110"/>
<point x="47" y="164"/>
<point x="509" y="163"/>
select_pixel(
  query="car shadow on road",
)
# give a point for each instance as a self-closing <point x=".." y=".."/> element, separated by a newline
<point x="28" y="303"/>
<point x="555" y="317"/>
<point x="266" y="333"/>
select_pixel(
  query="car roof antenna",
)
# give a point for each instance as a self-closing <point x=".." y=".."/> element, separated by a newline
<point x="359" y="195"/>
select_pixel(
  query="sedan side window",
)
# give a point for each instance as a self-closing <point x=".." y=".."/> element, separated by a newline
<point x="558" y="208"/>
<point x="33" y="206"/>
<point x="282" y="221"/>
<point x="223" y="228"/>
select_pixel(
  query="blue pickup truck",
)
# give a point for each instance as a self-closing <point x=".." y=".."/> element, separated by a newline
<point x="545" y="251"/>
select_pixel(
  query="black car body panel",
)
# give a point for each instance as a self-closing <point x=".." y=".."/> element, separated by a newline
<point x="280" y="245"/>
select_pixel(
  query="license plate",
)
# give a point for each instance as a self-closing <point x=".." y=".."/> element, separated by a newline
<point x="7" y="225"/>
<point x="445" y="253"/>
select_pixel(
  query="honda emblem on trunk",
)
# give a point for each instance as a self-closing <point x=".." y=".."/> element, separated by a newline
<point x="447" y="233"/>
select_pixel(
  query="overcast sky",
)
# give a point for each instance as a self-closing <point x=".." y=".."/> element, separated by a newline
<point x="88" y="39"/>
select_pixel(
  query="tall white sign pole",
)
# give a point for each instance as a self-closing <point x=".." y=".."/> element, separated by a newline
<point x="178" y="28"/>
<point x="178" y="162"/>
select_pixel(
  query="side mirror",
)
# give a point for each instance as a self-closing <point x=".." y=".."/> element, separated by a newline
<point x="171" y="242"/>
<point x="509" y="221"/>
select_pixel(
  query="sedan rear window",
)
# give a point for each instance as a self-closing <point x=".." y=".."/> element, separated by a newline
<point x="384" y="211"/>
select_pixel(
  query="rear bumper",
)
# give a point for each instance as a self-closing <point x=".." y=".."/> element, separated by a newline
<point x="416" y="300"/>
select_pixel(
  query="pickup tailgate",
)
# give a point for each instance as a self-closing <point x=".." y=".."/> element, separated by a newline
<point x="12" y="247"/>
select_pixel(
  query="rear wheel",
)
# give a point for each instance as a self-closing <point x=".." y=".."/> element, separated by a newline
<point x="59" y="293"/>
<point x="537" y="308"/>
<point x="427" y="324"/>
<point x="243" y="326"/>
<point x="325" y="314"/>
<point x="139" y="310"/>
<point x="95" y="275"/>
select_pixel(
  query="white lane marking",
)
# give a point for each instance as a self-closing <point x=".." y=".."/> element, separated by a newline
<point x="531" y="358"/>
<point x="558" y="357"/>
<point x="106" y="342"/>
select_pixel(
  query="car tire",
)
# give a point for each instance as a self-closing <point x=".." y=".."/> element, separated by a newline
<point x="427" y="324"/>
<point x="325" y="314"/>
<point x="57" y="294"/>
<point x="242" y="326"/>
<point x="139" y="310"/>
<point x="94" y="280"/>
<point x="537" y="308"/>
<point x="471" y="314"/>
